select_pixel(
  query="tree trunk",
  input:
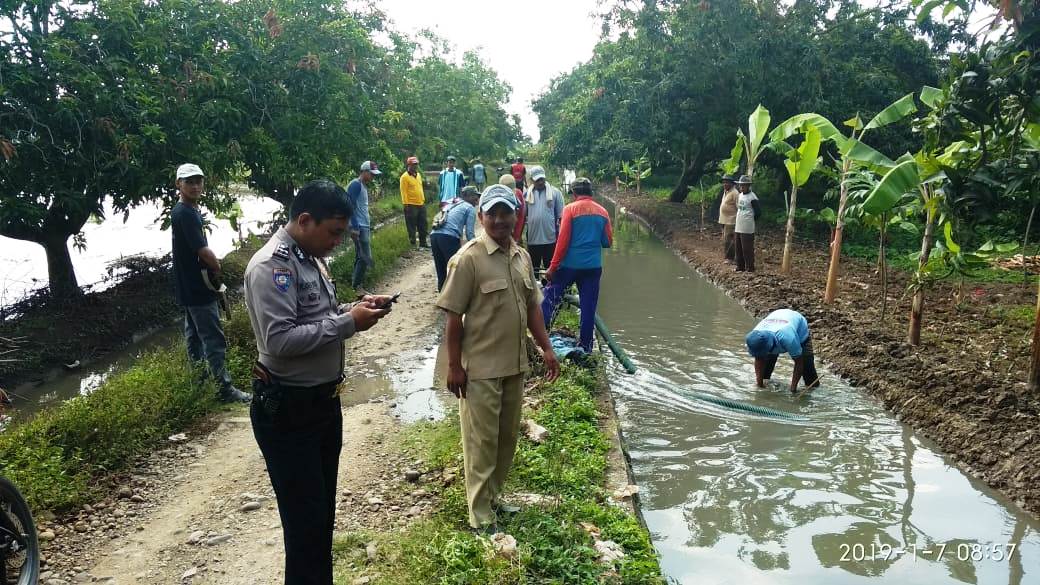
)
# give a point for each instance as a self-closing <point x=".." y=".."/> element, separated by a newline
<point x="831" y="291"/>
<point x="883" y="267"/>
<point x="1034" y="362"/>
<point x="60" y="273"/>
<point x="785" y="266"/>
<point x="704" y="212"/>
<point x="1025" y="242"/>
<point x="917" y="305"/>
<point x="691" y="173"/>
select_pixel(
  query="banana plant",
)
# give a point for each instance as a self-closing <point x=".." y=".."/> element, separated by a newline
<point x="854" y="153"/>
<point x="800" y="164"/>
<point x="635" y="171"/>
<point x="750" y="144"/>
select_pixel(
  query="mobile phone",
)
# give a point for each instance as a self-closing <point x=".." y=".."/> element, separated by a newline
<point x="392" y="300"/>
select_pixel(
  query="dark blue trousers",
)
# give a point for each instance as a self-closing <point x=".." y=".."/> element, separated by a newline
<point x="443" y="248"/>
<point x="587" y="280"/>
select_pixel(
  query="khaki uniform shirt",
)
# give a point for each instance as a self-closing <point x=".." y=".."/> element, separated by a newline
<point x="292" y="307"/>
<point x="493" y="288"/>
<point x="728" y="209"/>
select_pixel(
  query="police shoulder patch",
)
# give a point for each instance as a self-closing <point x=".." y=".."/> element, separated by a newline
<point x="282" y="251"/>
<point x="282" y="278"/>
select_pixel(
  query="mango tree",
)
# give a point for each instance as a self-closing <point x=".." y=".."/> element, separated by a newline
<point x="800" y="164"/>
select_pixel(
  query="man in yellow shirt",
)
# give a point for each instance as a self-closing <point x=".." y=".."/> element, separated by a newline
<point x="414" y="203"/>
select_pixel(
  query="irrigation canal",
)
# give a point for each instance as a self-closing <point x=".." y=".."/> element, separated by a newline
<point x="848" y="496"/>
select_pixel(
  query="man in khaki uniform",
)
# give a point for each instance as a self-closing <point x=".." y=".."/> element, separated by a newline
<point x="492" y="299"/>
<point x="728" y="216"/>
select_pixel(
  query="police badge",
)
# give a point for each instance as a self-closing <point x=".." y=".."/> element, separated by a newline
<point x="282" y="279"/>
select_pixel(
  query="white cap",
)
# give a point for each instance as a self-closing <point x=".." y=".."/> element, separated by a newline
<point x="537" y="173"/>
<point x="496" y="194"/>
<point x="189" y="170"/>
<point x="371" y="167"/>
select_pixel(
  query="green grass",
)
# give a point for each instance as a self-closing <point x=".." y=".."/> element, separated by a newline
<point x="1023" y="316"/>
<point x="59" y="457"/>
<point x="553" y="547"/>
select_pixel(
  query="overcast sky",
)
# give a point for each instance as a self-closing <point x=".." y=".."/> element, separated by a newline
<point x="527" y="41"/>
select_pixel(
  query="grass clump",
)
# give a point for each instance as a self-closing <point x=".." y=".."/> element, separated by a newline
<point x="569" y="468"/>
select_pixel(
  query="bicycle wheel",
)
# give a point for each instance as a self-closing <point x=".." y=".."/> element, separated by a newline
<point x="19" y="546"/>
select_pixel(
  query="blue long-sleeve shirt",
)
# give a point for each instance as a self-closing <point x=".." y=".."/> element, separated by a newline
<point x="461" y="218"/>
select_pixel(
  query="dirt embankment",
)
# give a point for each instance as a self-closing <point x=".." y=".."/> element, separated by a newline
<point x="964" y="386"/>
<point x="203" y="511"/>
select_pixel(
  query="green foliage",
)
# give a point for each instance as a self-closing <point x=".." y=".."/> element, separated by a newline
<point x="55" y="457"/>
<point x="677" y="80"/>
<point x="553" y="547"/>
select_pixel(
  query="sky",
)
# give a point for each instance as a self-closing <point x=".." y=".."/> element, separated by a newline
<point x="529" y="42"/>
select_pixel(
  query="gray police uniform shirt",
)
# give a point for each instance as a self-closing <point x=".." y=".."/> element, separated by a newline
<point x="292" y="307"/>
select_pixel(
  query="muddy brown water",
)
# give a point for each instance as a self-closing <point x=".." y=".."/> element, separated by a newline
<point x="850" y="496"/>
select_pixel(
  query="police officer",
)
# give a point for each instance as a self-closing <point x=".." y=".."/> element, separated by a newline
<point x="299" y="331"/>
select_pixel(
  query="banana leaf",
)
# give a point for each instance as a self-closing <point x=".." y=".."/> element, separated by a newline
<point x="758" y="126"/>
<point x="895" y="112"/>
<point x="902" y="179"/>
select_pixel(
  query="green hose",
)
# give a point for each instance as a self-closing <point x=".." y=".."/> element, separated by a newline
<point x="622" y="357"/>
<point x="601" y="327"/>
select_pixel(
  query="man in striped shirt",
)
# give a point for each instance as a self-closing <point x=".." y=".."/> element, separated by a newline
<point x="584" y="231"/>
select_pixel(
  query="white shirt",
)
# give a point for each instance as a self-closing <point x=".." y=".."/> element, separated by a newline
<point x="745" y="213"/>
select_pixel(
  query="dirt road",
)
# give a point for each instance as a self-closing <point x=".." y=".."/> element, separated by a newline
<point x="202" y="510"/>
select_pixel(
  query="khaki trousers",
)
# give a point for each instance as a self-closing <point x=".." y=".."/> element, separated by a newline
<point x="490" y="418"/>
<point x="729" y="246"/>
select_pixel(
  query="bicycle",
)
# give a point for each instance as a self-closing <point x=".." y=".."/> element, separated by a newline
<point x="19" y="544"/>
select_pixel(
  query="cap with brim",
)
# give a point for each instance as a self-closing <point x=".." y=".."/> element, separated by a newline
<point x="728" y="179"/>
<point x="507" y="180"/>
<point x="451" y="158"/>
<point x="189" y="170"/>
<point x="496" y="194"/>
<point x="537" y="173"/>
<point x="469" y="191"/>
<point x="371" y="167"/>
<point x="759" y="343"/>
<point x="744" y="180"/>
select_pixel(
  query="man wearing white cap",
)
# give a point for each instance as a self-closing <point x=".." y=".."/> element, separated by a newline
<point x="544" y="211"/>
<point x="191" y="257"/>
<point x="361" y="222"/>
<point x="492" y="284"/>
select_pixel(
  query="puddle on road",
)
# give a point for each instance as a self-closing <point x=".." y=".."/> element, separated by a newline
<point x="407" y="380"/>
<point x="850" y="496"/>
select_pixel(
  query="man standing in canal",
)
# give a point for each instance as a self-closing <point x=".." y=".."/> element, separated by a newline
<point x="728" y="217"/>
<point x="783" y="331"/>
<point x="191" y="257"/>
<point x="491" y="283"/>
<point x="544" y="211"/>
<point x="450" y="183"/>
<point x="361" y="222"/>
<point x="584" y="231"/>
<point x="296" y="414"/>
<point x="414" y="202"/>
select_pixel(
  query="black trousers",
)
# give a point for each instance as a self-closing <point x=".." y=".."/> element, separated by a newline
<point x="745" y="252"/>
<point x="301" y="444"/>
<point x="541" y="254"/>
<point x="444" y="247"/>
<point x="415" y="222"/>
<point x="809" y="375"/>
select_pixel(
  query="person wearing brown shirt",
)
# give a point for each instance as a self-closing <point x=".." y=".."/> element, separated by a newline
<point x="728" y="216"/>
<point x="492" y="299"/>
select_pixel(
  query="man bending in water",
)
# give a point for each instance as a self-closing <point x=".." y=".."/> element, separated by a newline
<point x="783" y="331"/>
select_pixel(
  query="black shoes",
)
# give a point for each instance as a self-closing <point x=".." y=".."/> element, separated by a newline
<point x="232" y="394"/>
